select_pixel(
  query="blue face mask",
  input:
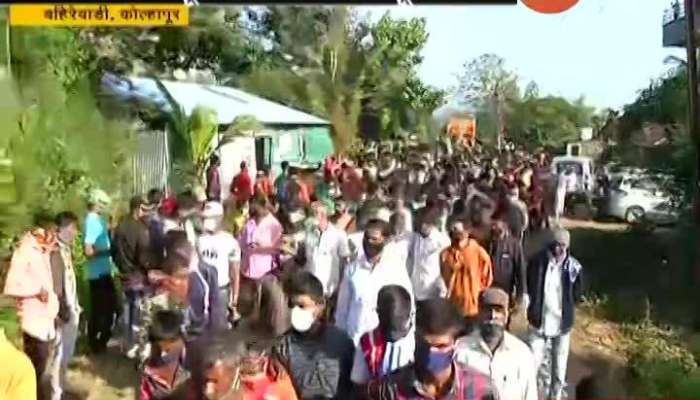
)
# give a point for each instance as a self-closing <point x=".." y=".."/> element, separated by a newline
<point x="164" y="358"/>
<point x="430" y="360"/>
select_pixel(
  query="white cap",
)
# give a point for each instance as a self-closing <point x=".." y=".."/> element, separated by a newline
<point x="382" y="214"/>
<point x="213" y="209"/>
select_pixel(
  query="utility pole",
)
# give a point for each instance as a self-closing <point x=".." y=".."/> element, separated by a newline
<point x="691" y="49"/>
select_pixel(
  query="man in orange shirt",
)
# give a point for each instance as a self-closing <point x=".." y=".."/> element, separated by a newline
<point x="466" y="269"/>
<point x="263" y="184"/>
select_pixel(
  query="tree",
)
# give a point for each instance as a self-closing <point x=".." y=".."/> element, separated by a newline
<point x="296" y="35"/>
<point x="391" y="84"/>
<point x="215" y="40"/>
<point x="331" y="89"/>
<point x="60" y="146"/>
<point x="548" y="121"/>
<point x="57" y="52"/>
<point x="193" y="138"/>
<point x="532" y="91"/>
<point x="486" y="84"/>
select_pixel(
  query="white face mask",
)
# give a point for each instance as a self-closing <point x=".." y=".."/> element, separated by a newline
<point x="302" y="319"/>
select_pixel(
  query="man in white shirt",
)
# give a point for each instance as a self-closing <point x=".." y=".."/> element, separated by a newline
<point x="424" y="259"/>
<point x="493" y="351"/>
<point x="220" y="250"/>
<point x="554" y="281"/>
<point x="326" y="249"/>
<point x="69" y="309"/>
<point x="372" y="268"/>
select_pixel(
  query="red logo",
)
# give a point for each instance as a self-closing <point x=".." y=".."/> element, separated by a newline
<point x="550" y="6"/>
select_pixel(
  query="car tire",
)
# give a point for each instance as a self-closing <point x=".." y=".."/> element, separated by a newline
<point x="634" y="215"/>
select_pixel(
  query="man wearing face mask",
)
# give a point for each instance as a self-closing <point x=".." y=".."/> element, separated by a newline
<point x="371" y="268"/>
<point x="220" y="250"/>
<point x="326" y="250"/>
<point x="69" y="309"/>
<point x="180" y="288"/>
<point x="424" y="259"/>
<point x="163" y="372"/>
<point x="509" y="267"/>
<point x="514" y="213"/>
<point x="554" y="284"/>
<point x="493" y="351"/>
<point x="391" y="345"/>
<point x="133" y="259"/>
<point x="466" y="270"/>
<point x="434" y="374"/>
<point x="243" y="373"/>
<point x="317" y="355"/>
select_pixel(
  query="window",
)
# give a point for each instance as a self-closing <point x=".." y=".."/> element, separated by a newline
<point x="564" y="165"/>
<point x="644" y="184"/>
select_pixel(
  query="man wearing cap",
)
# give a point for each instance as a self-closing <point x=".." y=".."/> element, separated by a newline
<point x="220" y="250"/>
<point x="466" y="270"/>
<point x="373" y="266"/>
<point x="132" y="256"/>
<point x="493" y="351"/>
<point x="97" y="245"/>
<point x="554" y="284"/>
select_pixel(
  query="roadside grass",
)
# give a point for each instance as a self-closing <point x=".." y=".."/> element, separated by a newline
<point x="643" y="284"/>
<point x="640" y="275"/>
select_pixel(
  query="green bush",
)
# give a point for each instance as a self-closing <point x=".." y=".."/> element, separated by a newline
<point x="659" y="363"/>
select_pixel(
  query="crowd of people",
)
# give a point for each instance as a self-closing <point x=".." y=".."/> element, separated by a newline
<point x="390" y="275"/>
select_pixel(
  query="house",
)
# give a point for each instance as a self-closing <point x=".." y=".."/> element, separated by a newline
<point x="288" y="134"/>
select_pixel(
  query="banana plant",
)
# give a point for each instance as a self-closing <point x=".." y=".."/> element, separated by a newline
<point x="194" y="138"/>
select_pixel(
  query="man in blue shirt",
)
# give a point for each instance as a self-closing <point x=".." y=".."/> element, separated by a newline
<point x="103" y="300"/>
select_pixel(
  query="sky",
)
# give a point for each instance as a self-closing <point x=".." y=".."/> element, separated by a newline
<point x="605" y="50"/>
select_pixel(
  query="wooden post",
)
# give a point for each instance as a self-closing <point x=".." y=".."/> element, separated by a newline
<point x="692" y="70"/>
<point x="691" y="48"/>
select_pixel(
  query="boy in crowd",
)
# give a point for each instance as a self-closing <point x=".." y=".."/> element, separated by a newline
<point x="164" y="369"/>
<point x="315" y="351"/>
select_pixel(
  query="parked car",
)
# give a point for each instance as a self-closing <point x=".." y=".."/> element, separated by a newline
<point x="641" y="197"/>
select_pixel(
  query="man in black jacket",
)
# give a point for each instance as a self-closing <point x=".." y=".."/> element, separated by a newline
<point x="509" y="268"/>
<point x="132" y="252"/>
<point x="554" y="283"/>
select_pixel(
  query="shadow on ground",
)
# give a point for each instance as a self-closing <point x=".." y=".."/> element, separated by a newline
<point x="640" y="273"/>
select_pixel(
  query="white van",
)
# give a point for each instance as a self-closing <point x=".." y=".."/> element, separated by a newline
<point x="583" y="166"/>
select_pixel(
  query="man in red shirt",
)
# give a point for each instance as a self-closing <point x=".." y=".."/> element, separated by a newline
<point x="263" y="184"/>
<point x="242" y="185"/>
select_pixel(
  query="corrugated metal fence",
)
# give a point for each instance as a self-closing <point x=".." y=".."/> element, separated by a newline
<point x="151" y="165"/>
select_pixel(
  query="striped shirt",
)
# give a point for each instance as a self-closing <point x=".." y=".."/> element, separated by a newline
<point x="375" y="357"/>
